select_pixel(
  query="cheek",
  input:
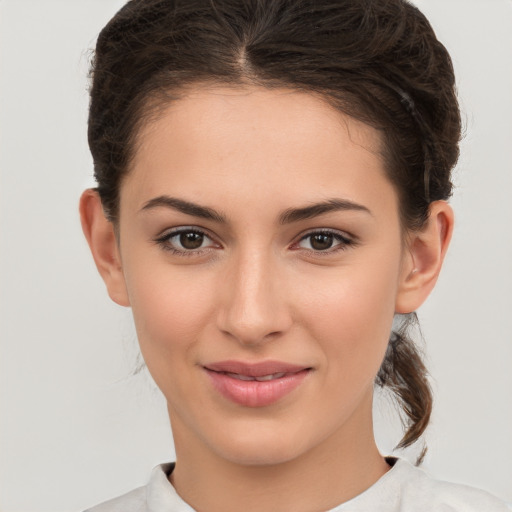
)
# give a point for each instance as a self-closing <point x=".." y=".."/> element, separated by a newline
<point x="351" y="314"/>
<point x="170" y="308"/>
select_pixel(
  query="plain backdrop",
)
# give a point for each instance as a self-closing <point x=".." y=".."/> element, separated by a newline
<point x="76" y="428"/>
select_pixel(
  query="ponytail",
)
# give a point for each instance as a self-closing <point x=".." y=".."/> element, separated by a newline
<point x="404" y="373"/>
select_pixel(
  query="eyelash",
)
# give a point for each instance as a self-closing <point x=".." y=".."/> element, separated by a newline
<point x="344" y="242"/>
<point x="164" y="241"/>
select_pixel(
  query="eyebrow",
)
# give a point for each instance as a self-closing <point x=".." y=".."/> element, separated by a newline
<point x="331" y="205"/>
<point x="289" y="216"/>
<point x="186" y="207"/>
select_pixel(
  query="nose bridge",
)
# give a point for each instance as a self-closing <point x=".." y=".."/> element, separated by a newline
<point x="254" y="306"/>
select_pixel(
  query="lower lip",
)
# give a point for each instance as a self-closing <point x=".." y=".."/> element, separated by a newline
<point x="253" y="393"/>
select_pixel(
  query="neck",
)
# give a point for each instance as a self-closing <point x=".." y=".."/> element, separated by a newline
<point x="341" y="467"/>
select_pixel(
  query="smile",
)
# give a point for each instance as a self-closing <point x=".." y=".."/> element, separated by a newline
<point x="255" y="385"/>
<point x="263" y="378"/>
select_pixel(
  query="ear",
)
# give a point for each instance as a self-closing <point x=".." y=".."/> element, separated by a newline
<point x="101" y="237"/>
<point x="424" y="257"/>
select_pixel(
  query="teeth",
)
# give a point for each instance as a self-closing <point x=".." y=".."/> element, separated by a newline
<point x="240" y="377"/>
<point x="262" y="378"/>
<point x="270" y="377"/>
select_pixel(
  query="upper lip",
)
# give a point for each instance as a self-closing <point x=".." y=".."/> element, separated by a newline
<point x="254" y="369"/>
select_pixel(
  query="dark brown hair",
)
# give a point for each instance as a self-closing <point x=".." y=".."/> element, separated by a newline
<point x="378" y="61"/>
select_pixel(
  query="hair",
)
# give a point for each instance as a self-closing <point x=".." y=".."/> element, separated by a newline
<point x="377" y="61"/>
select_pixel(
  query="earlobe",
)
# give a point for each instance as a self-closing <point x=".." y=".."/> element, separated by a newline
<point x="101" y="237"/>
<point x="424" y="258"/>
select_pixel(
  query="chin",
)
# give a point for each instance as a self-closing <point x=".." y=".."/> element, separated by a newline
<point x="258" y="445"/>
<point x="271" y="454"/>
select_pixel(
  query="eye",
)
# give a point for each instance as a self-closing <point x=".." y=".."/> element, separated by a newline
<point x="185" y="240"/>
<point x="324" y="241"/>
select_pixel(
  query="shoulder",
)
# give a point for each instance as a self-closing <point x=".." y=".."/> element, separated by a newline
<point x="133" y="501"/>
<point x="157" y="495"/>
<point x="420" y="492"/>
<point x="406" y="488"/>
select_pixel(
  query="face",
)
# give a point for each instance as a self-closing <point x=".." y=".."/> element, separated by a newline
<point x="262" y="253"/>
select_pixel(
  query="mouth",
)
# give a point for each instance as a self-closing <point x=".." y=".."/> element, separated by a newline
<point x="262" y="378"/>
<point x="255" y="384"/>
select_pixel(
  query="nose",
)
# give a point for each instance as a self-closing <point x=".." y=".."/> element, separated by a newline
<point x="253" y="303"/>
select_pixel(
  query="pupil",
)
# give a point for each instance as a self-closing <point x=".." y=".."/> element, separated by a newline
<point x="191" y="240"/>
<point x="321" y="241"/>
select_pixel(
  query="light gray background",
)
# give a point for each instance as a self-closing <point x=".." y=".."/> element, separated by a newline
<point x="75" y="427"/>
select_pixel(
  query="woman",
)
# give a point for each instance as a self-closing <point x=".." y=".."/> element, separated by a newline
<point x="272" y="184"/>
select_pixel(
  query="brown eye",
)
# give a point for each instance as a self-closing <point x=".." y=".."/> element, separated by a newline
<point x="325" y="241"/>
<point x="186" y="241"/>
<point x="191" y="240"/>
<point x="321" y="241"/>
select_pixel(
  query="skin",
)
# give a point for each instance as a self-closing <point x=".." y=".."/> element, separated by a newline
<point x="258" y="290"/>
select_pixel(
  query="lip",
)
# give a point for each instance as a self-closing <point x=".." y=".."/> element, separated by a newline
<point x="235" y="380"/>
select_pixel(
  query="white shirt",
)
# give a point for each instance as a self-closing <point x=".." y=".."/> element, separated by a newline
<point x="404" y="488"/>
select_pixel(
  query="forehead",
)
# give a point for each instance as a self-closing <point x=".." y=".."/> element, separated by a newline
<point x="290" y="112"/>
<point x="252" y="140"/>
